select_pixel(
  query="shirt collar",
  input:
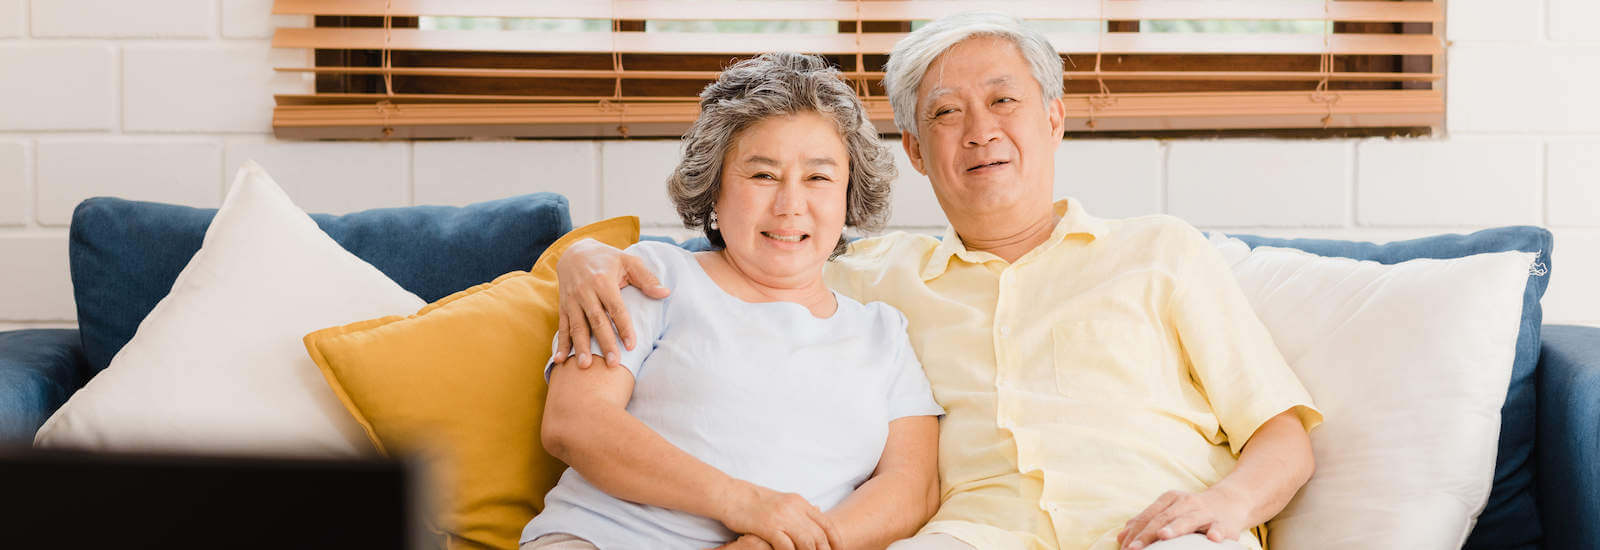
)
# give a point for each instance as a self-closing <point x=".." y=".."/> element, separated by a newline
<point x="1074" y="221"/>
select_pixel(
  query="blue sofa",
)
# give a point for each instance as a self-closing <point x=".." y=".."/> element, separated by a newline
<point x="126" y="254"/>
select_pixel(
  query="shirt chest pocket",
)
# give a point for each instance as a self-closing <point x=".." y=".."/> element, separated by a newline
<point x="1106" y="360"/>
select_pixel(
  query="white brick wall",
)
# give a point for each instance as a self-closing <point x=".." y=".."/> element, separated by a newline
<point x="1574" y="184"/>
<point x="13" y="183"/>
<point x="179" y="171"/>
<point x="1259" y="183"/>
<point x="35" y="284"/>
<point x="1410" y="182"/>
<point x="333" y="177"/>
<point x="165" y="105"/>
<point x="1571" y="20"/>
<point x="204" y="87"/>
<point x="50" y="86"/>
<point x="464" y="172"/>
<point x="121" y="18"/>
<point x="13" y="20"/>
<point x="1119" y="178"/>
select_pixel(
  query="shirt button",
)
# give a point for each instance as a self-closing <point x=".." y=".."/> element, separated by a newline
<point x="1005" y="331"/>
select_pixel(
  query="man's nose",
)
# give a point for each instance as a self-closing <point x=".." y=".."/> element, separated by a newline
<point x="982" y="129"/>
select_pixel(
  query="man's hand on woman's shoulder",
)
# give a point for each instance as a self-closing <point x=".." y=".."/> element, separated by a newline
<point x="590" y="276"/>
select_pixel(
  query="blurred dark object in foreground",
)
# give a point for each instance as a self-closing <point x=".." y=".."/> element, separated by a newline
<point x="59" y="499"/>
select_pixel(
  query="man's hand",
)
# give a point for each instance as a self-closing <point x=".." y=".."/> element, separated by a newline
<point x="746" y="542"/>
<point x="784" y="520"/>
<point x="590" y="277"/>
<point x="1217" y="515"/>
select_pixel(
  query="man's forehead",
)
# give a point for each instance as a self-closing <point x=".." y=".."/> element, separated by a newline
<point x="938" y="86"/>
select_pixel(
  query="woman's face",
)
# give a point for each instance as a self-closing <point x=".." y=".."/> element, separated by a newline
<point x="782" y="204"/>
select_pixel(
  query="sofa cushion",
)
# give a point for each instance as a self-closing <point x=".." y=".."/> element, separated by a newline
<point x="1511" y="519"/>
<point x="462" y="380"/>
<point x="125" y="254"/>
<point x="39" y="369"/>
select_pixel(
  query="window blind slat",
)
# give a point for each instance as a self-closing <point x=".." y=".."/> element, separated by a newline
<point x="815" y="10"/>
<point x="871" y="43"/>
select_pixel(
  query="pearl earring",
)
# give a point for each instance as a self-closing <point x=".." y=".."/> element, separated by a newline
<point x="713" y="223"/>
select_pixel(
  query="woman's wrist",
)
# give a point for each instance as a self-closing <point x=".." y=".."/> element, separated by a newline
<point x="734" y="495"/>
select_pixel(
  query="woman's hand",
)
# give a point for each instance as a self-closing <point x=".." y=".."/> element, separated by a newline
<point x="786" y="521"/>
<point x="746" y="542"/>
<point x="1212" y="513"/>
<point x="589" y="277"/>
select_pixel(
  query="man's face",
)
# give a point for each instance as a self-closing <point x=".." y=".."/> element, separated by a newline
<point x="987" y="138"/>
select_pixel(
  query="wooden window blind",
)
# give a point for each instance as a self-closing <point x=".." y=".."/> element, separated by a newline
<point x="614" y="68"/>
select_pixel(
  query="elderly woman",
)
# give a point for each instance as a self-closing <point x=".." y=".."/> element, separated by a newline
<point x="757" y="401"/>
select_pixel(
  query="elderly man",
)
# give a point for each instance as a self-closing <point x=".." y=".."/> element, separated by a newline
<point x="1105" y="381"/>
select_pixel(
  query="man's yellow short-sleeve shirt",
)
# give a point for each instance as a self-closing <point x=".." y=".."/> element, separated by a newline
<point x="1115" y="362"/>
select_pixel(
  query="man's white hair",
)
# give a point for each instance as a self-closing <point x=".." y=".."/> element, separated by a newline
<point x="910" y="59"/>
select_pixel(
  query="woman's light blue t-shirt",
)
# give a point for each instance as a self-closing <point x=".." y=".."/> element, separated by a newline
<point x="764" y="392"/>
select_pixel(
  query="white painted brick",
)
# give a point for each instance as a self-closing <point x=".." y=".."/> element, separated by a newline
<point x="1551" y="89"/>
<point x="913" y="202"/>
<point x="331" y="177"/>
<point x="1259" y="183"/>
<point x="13" y="183"/>
<point x="1573" y="296"/>
<point x="1574" y="184"/>
<point x="121" y="18"/>
<point x="464" y="172"/>
<point x="211" y="87"/>
<point x="1444" y="183"/>
<point x="184" y="172"/>
<point x="52" y="87"/>
<point x="1113" y="178"/>
<point x="1573" y="20"/>
<point x="254" y="19"/>
<point x="1492" y="20"/>
<point x="12" y="18"/>
<point x="635" y="173"/>
<point x="35" y="284"/>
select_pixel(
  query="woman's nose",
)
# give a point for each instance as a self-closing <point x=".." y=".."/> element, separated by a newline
<point x="789" y="200"/>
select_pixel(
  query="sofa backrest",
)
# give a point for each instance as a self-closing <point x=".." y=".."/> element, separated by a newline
<point x="125" y="254"/>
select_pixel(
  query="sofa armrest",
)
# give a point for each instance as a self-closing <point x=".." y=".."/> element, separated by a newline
<point x="39" y="369"/>
<point x="1569" y="436"/>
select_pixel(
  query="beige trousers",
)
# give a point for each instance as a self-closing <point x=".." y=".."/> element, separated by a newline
<point x="937" y="541"/>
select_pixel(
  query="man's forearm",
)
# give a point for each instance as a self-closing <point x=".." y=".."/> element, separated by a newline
<point x="1271" y="469"/>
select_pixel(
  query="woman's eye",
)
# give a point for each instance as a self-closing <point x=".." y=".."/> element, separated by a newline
<point x="764" y="176"/>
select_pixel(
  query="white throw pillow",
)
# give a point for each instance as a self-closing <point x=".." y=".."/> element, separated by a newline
<point x="1409" y="363"/>
<point x="219" y="365"/>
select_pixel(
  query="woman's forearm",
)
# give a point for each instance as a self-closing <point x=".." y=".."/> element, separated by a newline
<point x="901" y="494"/>
<point x="885" y="509"/>
<point x="625" y="458"/>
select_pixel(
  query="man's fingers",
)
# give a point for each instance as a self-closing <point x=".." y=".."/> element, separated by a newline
<point x="618" y="311"/>
<point x="579" y="325"/>
<point x="600" y="327"/>
<point x="563" y="340"/>
<point x="780" y="541"/>
<point x="640" y="277"/>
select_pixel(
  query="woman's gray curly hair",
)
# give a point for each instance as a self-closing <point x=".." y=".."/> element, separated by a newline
<point x="778" y="84"/>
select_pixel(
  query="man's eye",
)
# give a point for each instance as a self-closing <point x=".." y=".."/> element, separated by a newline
<point x="1005" y="100"/>
<point x="942" y="112"/>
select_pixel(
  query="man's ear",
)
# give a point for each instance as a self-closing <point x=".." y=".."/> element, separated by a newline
<point x="1056" y="110"/>
<point x="913" y="151"/>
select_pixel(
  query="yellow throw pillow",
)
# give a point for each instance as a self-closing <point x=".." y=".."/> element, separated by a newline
<point x="462" y="382"/>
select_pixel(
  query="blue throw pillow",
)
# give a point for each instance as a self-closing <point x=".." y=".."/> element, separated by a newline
<point x="125" y="254"/>
<point x="1511" y="519"/>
